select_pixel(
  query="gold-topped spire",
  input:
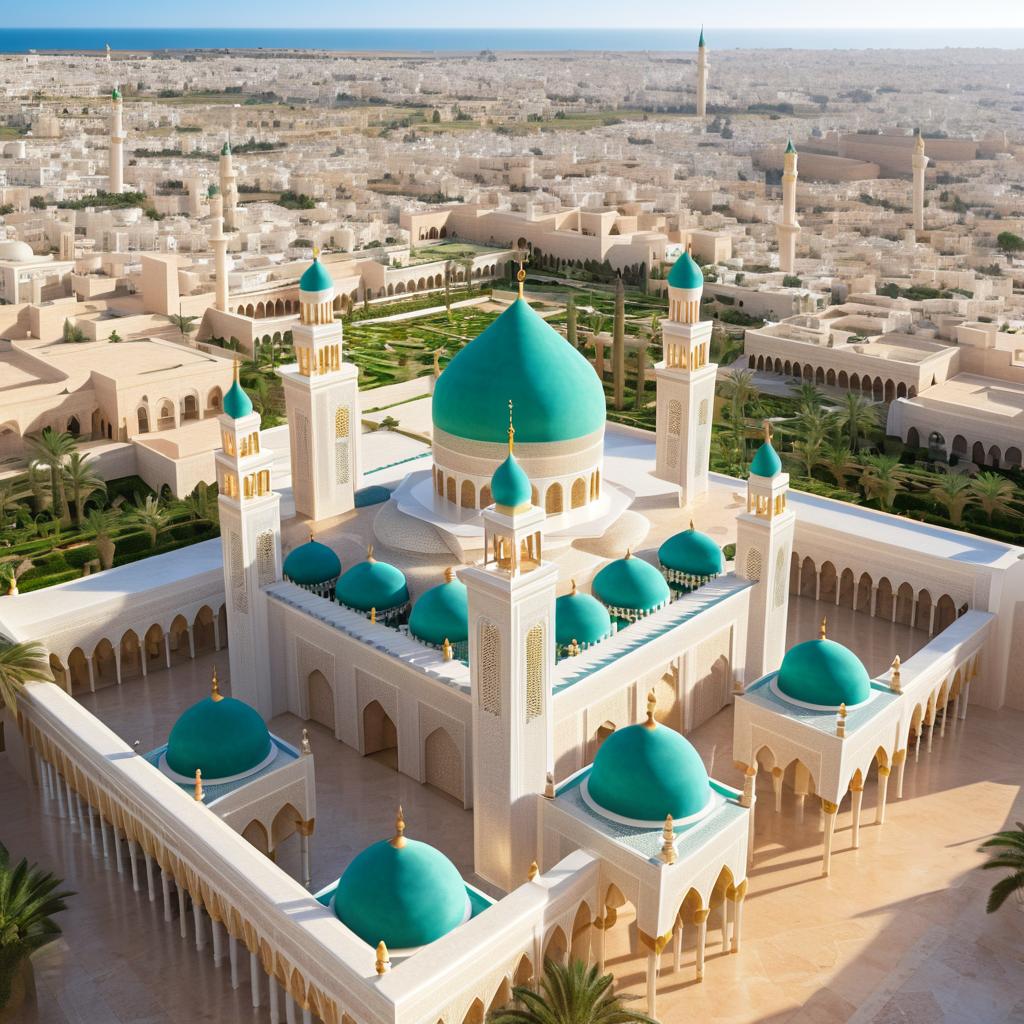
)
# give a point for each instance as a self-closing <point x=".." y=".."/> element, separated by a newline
<point x="215" y="693"/>
<point x="768" y="431"/>
<point x="521" y="272"/>
<point x="572" y="587"/>
<point x="823" y="629"/>
<point x="446" y="649"/>
<point x="369" y="553"/>
<point x="511" y="429"/>
<point x="199" y="786"/>
<point x="668" y="835"/>
<point x="842" y="710"/>
<point x="894" y="677"/>
<point x="306" y="747"/>
<point x="311" y="537"/>
<point x="449" y="574"/>
<point x="533" y="871"/>
<point x="691" y="525"/>
<point x="629" y="553"/>
<point x="383" y="960"/>
<point x="399" y="841"/>
<point x="652" y="703"/>
<point x="237" y="366"/>
<point x="316" y="252"/>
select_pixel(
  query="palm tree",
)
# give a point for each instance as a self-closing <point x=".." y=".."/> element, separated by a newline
<point x="954" y="493"/>
<point x="882" y="478"/>
<point x="570" y="321"/>
<point x="806" y="454"/>
<point x="202" y="504"/>
<point x="50" y="449"/>
<point x="185" y="324"/>
<point x="574" y="994"/>
<point x="100" y="523"/>
<point x="82" y="480"/>
<point x="10" y="496"/>
<point x="857" y="416"/>
<point x="737" y="387"/>
<point x="837" y="460"/>
<point x="151" y="516"/>
<point x="807" y="395"/>
<point x="993" y="493"/>
<point x="20" y="664"/>
<point x="28" y="904"/>
<point x="1009" y="847"/>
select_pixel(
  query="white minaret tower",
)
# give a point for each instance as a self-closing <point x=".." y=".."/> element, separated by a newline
<point x="685" y="385"/>
<point x="250" y="533"/>
<point x="219" y="243"/>
<point x="764" y="547"/>
<point x="117" y="137"/>
<point x="229" y="187"/>
<point x="511" y="659"/>
<point x="702" y="76"/>
<point x="919" y="162"/>
<point x="788" y="227"/>
<point x="322" y="397"/>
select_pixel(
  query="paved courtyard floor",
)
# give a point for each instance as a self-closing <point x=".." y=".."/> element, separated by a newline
<point x="896" y="935"/>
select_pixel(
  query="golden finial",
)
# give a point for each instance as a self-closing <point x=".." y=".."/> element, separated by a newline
<point x="521" y="273"/>
<point x="823" y="629"/>
<point x="215" y="693"/>
<point x="533" y="872"/>
<point x="306" y="747"/>
<point x="373" y="614"/>
<point x="383" y="963"/>
<point x="446" y="649"/>
<point x="237" y="365"/>
<point x="629" y="553"/>
<point x="842" y="710"/>
<point x="768" y="431"/>
<point x="574" y="648"/>
<point x="894" y="677"/>
<point x="399" y="841"/>
<point x="369" y="553"/>
<point x="549" y="785"/>
<point x="511" y="429"/>
<point x="668" y="849"/>
<point x="572" y="587"/>
<point x="311" y="537"/>
<point x="691" y="524"/>
<point x="652" y="703"/>
<point x="199" y="786"/>
<point x="449" y="574"/>
<point x="316" y="252"/>
<point x="841" y="721"/>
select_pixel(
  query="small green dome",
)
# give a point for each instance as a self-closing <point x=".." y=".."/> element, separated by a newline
<point x="631" y="583"/>
<point x="580" y="617"/>
<point x="442" y="613"/>
<point x="116" y="94"/>
<point x="236" y="402"/>
<point x="401" y="892"/>
<point x="692" y="553"/>
<point x="312" y="563"/>
<point x="225" y="150"/>
<point x="510" y="486"/>
<point x="648" y="771"/>
<point x="220" y="736"/>
<point x="766" y="461"/>
<point x="315" y="278"/>
<point x="212" y="190"/>
<point x="700" y="42"/>
<point x="554" y="390"/>
<point x="372" y="584"/>
<point x="685" y="273"/>
<point x="790" y="148"/>
<point x="825" y="673"/>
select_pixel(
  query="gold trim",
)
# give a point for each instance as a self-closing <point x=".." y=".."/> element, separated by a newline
<point x="215" y="694"/>
<point x="399" y="841"/>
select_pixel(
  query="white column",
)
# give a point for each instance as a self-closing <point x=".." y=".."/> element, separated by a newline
<point x="104" y="839"/>
<point x="304" y="846"/>
<point x="165" y="890"/>
<point x="289" y="1009"/>
<point x="275" y="1011"/>
<point x="150" y="886"/>
<point x="134" y="864"/>
<point x="677" y="946"/>
<point x="254" y="979"/>
<point x="967" y="697"/>
<point x="830" y="810"/>
<point x="216" y="633"/>
<point x="167" y="642"/>
<point x="600" y="926"/>
<point x="737" y="918"/>
<point x="218" y="941"/>
<point x="652" y="983"/>
<point x="945" y="715"/>
<point x="900" y="759"/>
<point x="777" y="788"/>
<point x="233" y="958"/>
<point x="801" y="781"/>
<point x="197" y="917"/>
<point x="70" y="803"/>
<point x="181" y="911"/>
<point x="92" y="675"/>
<point x="307" y="1016"/>
<point x="117" y="663"/>
<point x="883" y="785"/>
<point x="856" y="799"/>
<point x="931" y="727"/>
<point x="700" y="919"/>
<point x="92" y="827"/>
<point x="191" y="643"/>
<point x="118" y="852"/>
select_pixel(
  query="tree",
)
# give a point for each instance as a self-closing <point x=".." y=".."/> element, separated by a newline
<point x="837" y="460"/>
<point x="9" y="499"/>
<point x="202" y="505"/>
<point x="82" y="480"/>
<point x="150" y="515"/>
<point x="185" y="324"/>
<point x="114" y="337"/>
<point x="954" y="493"/>
<point x="435" y="118"/>
<point x="100" y="523"/>
<point x="882" y="478"/>
<point x="857" y="416"/>
<point x="72" y="333"/>
<point x="807" y="396"/>
<point x="570" y="321"/>
<point x="738" y="389"/>
<point x="994" y="494"/>
<point x="28" y="903"/>
<point x="50" y="449"/>
<point x="619" y="345"/>
<point x="573" y="994"/>
<point x="1009" y="242"/>
<point x="20" y="664"/>
<point x="1009" y="853"/>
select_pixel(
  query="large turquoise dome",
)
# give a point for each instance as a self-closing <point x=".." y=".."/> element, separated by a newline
<point x="372" y="584"/>
<point x="220" y="736"/>
<point x="442" y="613"/>
<point x="685" y="273"/>
<point x="766" y="461"/>
<point x="315" y="278"/>
<point x="555" y="392"/>
<point x="648" y="771"/>
<point x="631" y="584"/>
<point x="582" y="618"/>
<point x="311" y="564"/>
<point x="824" y="673"/>
<point x="401" y="892"/>
<point x="691" y="553"/>
<point x="510" y="486"/>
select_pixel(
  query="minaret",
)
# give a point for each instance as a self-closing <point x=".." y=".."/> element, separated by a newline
<point x="919" y="162"/>
<point x="117" y="137"/>
<point x="685" y="385"/>
<point x="229" y="187"/>
<point x="764" y="547"/>
<point x="322" y="397"/>
<point x="511" y="659"/>
<point x="250" y="533"/>
<point x="702" y="76"/>
<point x="788" y="227"/>
<point x="219" y="242"/>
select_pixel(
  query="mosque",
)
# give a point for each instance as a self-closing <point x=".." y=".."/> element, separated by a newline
<point x="554" y="707"/>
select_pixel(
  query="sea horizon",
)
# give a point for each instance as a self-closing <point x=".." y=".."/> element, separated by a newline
<point x="441" y="40"/>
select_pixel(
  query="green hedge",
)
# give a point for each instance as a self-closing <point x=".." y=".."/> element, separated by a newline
<point x="77" y="557"/>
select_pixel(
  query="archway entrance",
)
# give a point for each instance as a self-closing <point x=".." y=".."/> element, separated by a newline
<point x="380" y="736"/>
<point x="321" y="699"/>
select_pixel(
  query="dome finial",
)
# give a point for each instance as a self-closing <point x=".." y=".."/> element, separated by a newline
<point x="652" y="703"/>
<point x="628" y="554"/>
<point x="449" y="574"/>
<point x="306" y="746"/>
<point x="668" y="835"/>
<point x="316" y="252"/>
<point x="894" y="677"/>
<point x="823" y="630"/>
<point x="383" y="961"/>
<point x="533" y="871"/>
<point x="511" y="429"/>
<point x="768" y="431"/>
<point x="691" y="525"/>
<point x="521" y="272"/>
<point x="369" y="553"/>
<point x="399" y="841"/>
<point x="215" y="693"/>
<point x="199" y="786"/>
<point x="572" y="586"/>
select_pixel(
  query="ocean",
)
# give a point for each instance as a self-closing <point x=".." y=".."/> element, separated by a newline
<point x="21" y="40"/>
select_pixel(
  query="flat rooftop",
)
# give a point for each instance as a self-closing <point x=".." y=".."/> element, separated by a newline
<point x="980" y="396"/>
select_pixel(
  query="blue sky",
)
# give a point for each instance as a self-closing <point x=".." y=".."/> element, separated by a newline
<point x="519" y="13"/>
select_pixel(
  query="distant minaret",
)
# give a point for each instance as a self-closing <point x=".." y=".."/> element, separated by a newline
<point x="219" y="242"/>
<point x="919" y="162"/>
<point x="788" y="228"/>
<point x="229" y="187"/>
<point x="702" y="76"/>
<point x="117" y="137"/>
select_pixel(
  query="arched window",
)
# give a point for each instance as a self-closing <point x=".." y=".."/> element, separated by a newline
<point x="675" y="418"/>
<point x="341" y="431"/>
<point x="578" y="496"/>
<point x="266" y="563"/>
<point x="553" y="500"/>
<point x="535" y="673"/>
<point x="467" y="496"/>
<point x="240" y="597"/>
<point x="753" y="567"/>
<point x="490" y="667"/>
